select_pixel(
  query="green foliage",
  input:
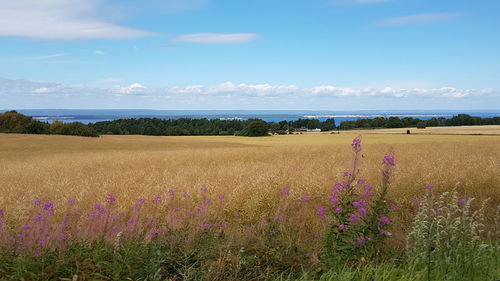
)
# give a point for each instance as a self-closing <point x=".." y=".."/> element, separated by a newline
<point x="13" y="122"/>
<point x="255" y="128"/>
<point x="447" y="240"/>
<point x="406" y="122"/>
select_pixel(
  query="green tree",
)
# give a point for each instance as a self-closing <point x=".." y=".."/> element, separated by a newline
<point x="255" y="128"/>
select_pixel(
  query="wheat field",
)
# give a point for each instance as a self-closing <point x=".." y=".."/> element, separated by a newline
<point x="251" y="172"/>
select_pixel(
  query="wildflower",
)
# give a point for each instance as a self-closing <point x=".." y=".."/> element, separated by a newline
<point x="388" y="160"/>
<point x="334" y="199"/>
<point x="321" y="211"/>
<point x="98" y="207"/>
<point x="361" y="181"/>
<point x="343" y="227"/>
<point x="37" y="255"/>
<point x="62" y="237"/>
<point x="462" y="201"/>
<point x="171" y="192"/>
<point x="141" y="201"/>
<point x="222" y="196"/>
<point x="367" y="192"/>
<point x="185" y="194"/>
<point x="429" y="186"/>
<point x="363" y="212"/>
<point x="38" y="202"/>
<point x="356" y="143"/>
<point x="347" y="174"/>
<point x="204" y="188"/>
<point x="264" y="223"/>
<point x="110" y="198"/>
<point x="285" y="191"/>
<point x="1" y="212"/>
<point x="26" y="227"/>
<point x="157" y="199"/>
<point x="361" y="241"/>
<point x="308" y="255"/>
<point x="191" y="213"/>
<point x="392" y="207"/>
<point x="280" y="218"/>
<point x="384" y="219"/>
<point x="39" y="218"/>
<point x="383" y="232"/>
<point x="48" y="206"/>
<point x="353" y="218"/>
<point x="304" y="198"/>
<point x="71" y="201"/>
<point x="359" y="203"/>
<point x="206" y="225"/>
<point x="338" y="210"/>
<point x="201" y="208"/>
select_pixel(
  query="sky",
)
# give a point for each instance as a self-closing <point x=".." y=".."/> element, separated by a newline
<point x="250" y="54"/>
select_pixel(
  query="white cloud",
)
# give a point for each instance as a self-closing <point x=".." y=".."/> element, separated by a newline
<point x="418" y="19"/>
<point x="60" y="19"/>
<point x="44" y="90"/>
<point x="217" y="38"/>
<point x="99" y="52"/>
<point x="132" y="89"/>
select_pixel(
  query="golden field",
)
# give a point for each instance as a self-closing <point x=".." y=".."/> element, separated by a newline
<point x="251" y="172"/>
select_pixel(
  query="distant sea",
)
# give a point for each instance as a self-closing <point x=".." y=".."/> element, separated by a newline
<point x="96" y="115"/>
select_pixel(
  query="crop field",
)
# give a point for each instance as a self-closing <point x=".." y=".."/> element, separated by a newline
<point x="243" y="178"/>
<point x="249" y="171"/>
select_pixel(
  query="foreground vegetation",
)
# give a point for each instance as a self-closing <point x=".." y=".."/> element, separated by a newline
<point x="251" y="228"/>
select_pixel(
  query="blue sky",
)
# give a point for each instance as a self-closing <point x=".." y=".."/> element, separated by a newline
<point x="258" y="54"/>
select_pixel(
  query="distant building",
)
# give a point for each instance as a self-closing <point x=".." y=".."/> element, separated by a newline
<point x="303" y="129"/>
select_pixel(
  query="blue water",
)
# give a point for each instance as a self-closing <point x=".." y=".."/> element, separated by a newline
<point x="96" y="115"/>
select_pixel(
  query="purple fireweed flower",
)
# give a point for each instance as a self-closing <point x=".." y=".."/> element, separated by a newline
<point x="204" y="188"/>
<point x="356" y="143"/>
<point x="264" y="223"/>
<point x="361" y="241"/>
<point x="206" y="225"/>
<point x="39" y="218"/>
<point x="1" y="212"/>
<point x="347" y="174"/>
<point x="308" y="255"/>
<point x="384" y="219"/>
<point x="115" y="228"/>
<point x="185" y="194"/>
<point x="157" y="199"/>
<point x="363" y="212"/>
<point x="62" y="237"/>
<point x="361" y="181"/>
<point x="280" y="218"/>
<point x="71" y="201"/>
<point x="353" y="218"/>
<point x="368" y="191"/>
<point x="171" y="192"/>
<point x="462" y="201"/>
<point x="304" y="198"/>
<point x="26" y="227"/>
<point x="389" y="160"/>
<point x="110" y="198"/>
<point x="321" y="211"/>
<point x="429" y="186"/>
<point x="141" y="201"/>
<point x="343" y="227"/>
<point x="131" y="221"/>
<point x="38" y="202"/>
<point x="334" y="199"/>
<point x="37" y="254"/>
<point x="48" y="206"/>
<point x="338" y="210"/>
<point x="392" y="207"/>
<point x="201" y="208"/>
<point x="97" y="207"/>
<point x="285" y="191"/>
<point x="222" y="196"/>
<point x="383" y="232"/>
<point x="191" y="213"/>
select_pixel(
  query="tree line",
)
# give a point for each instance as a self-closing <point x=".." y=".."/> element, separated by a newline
<point x="407" y="122"/>
<point x="14" y="122"/>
